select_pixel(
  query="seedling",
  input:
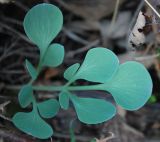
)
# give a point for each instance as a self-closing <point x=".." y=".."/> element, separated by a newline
<point x="130" y="83"/>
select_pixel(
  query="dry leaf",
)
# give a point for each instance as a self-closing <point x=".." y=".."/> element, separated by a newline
<point x="51" y="73"/>
<point x="137" y="37"/>
<point x="107" y="138"/>
<point x="90" y="9"/>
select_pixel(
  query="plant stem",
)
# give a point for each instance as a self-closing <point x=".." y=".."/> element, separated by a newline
<point x="71" y="131"/>
<point x="83" y="88"/>
<point x="114" y="15"/>
<point x="70" y="88"/>
<point x="39" y="67"/>
<point x="66" y="86"/>
<point x="68" y="83"/>
<point x="152" y="8"/>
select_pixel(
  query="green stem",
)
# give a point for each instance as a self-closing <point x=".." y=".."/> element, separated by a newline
<point x="83" y="88"/>
<point x="39" y="67"/>
<point x="66" y="86"/>
<point x="38" y="71"/>
<point x="70" y="88"/>
<point x="68" y="83"/>
<point x="71" y="130"/>
<point x="34" y="103"/>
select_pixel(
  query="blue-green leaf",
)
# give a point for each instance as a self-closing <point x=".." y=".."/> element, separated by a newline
<point x="54" y="55"/>
<point x="99" y="65"/>
<point x="93" y="111"/>
<point x="49" y="108"/>
<point x="25" y="96"/>
<point x="71" y="71"/>
<point x="32" y="71"/>
<point x="131" y="87"/>
<point x="64" y="100"/>
<point x="32" y="124"/>
<point x="42" y="23"/>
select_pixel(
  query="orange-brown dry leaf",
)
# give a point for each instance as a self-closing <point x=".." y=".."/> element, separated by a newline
<point x="51" y="73"/>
